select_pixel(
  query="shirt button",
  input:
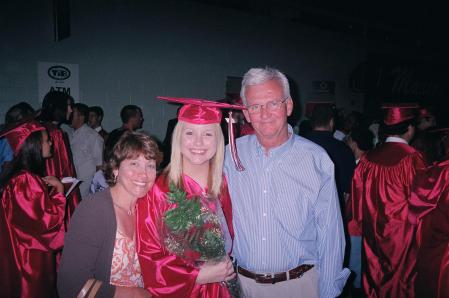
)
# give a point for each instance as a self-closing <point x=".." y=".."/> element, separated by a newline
<point x="264" y="191"/>
<point x="264" y="214"/>
<point x="263" y="239"/>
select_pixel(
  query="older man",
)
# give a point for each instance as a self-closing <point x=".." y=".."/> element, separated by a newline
<point x="289" y="237"/>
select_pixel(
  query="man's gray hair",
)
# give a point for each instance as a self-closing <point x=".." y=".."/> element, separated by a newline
<point x="257" y="76"/>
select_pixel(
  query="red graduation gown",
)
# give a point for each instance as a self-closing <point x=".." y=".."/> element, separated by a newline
<point x="61" y="165"/>
<point x="164" y="274"/>
<point x="381" y="190"/>
<point x="430" y="207"/>
<point x="31" y="232"/>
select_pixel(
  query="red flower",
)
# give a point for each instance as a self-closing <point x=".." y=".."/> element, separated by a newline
<point x="192" y="255"/>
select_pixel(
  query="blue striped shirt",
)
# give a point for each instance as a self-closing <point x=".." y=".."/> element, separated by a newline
<point x="286" y="210"/>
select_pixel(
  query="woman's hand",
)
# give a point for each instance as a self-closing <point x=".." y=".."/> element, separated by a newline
<point x="55" y="182"/>
<point x="128" y="292"/>
<point x="212" y="272"/>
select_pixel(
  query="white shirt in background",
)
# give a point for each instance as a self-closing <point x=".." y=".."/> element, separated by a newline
<point x="87" y="151"/>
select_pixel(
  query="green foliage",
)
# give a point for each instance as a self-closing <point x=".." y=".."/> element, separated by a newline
<point x="186" y="214"/>
<point x="194" y="230"/>
<point x="213" y="246"/>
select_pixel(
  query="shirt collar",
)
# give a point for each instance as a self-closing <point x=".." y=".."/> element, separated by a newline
<point x="395" y="140"/>
<point x="75" y="131"/>
<point x="279" y="149"/>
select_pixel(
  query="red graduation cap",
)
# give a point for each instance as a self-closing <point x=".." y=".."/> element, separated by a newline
<point x="201" y="111"/>
<point x="17" y="135"/>
<point x="396" y="113"/>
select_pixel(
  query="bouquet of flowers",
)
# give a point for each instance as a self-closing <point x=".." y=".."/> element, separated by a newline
<point x="192" y="231"/>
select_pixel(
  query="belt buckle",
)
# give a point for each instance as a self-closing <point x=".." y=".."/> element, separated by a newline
<point x="270" y="275"/>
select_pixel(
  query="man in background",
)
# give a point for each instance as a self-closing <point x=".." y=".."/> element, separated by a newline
<point x="87" y="148"/>
<point x="132" y="119"/>
<point x="95" y="118"/>
<point x="323" y="124"/>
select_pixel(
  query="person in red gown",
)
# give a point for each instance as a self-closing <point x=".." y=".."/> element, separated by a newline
<point x="381" y="190"/>
<point x="430" y="209"/>
<point x="196" y="167"/>
<point x="32" y="211"/>
<point x="57" y="109"/>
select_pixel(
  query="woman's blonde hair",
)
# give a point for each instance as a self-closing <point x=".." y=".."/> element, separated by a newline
<point x="174" y="170"/>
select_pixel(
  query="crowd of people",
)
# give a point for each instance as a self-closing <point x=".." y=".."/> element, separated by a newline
<point x="264" y="212"/>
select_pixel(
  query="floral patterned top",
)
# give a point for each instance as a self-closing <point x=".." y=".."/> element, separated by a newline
<point x="125" y="269"/>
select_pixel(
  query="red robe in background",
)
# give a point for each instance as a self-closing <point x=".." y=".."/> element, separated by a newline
<point x="164" y="274"/>
<point x="381" y="190"/>
<point x="61" y="165"/>
<point x="31" y="232"/>
<point x="430" y="206"/>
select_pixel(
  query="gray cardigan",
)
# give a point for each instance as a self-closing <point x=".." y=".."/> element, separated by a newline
<point x="89" y="245"/>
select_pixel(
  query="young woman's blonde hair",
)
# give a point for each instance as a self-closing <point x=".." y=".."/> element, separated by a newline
<point x="174" y="170"/>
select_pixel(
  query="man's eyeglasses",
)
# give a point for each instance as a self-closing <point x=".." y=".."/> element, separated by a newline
<point x="269" y="106"/>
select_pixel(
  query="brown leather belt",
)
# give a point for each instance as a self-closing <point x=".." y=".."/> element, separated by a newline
<point x="272" y="278"/>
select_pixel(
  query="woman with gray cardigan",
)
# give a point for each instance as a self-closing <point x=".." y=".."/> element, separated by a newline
<point x="99" y="257"/>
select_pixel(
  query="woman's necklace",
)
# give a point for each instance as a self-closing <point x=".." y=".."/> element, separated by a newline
<point x="128" y="211"/>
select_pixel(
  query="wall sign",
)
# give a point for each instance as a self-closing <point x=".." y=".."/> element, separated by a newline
<point x="62" y="77"/>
